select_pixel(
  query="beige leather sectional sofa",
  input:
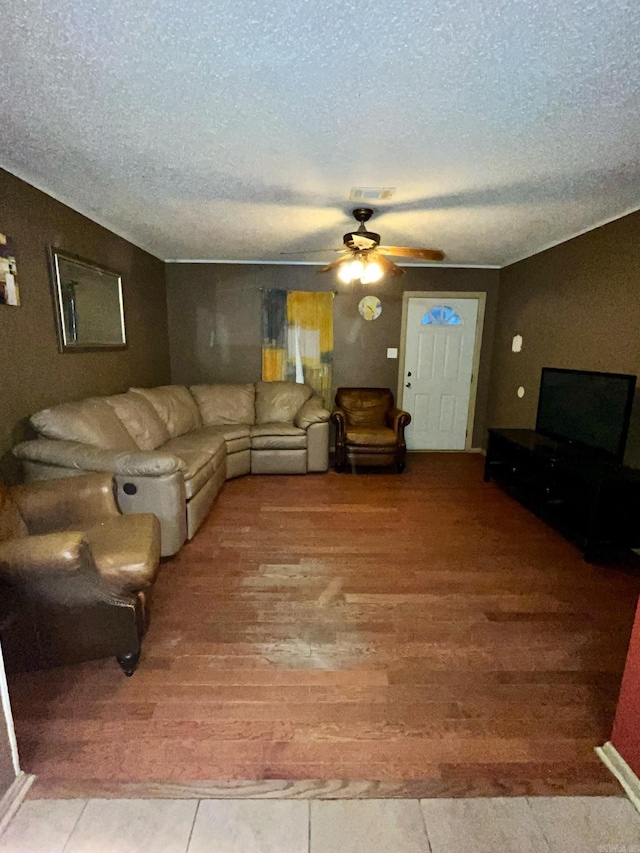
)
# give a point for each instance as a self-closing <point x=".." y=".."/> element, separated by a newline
<point x="171" y="448"/>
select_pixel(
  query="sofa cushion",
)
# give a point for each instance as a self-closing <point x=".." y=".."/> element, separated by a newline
<point x="175" y="406"/>
<point x="206" y="439"/>
<point x="193" y="460"/>
<point x="226" y="404"/>
<point x="194" y="452"/>
<point x="230" y="432"/>
<point x="203" y="452"/>
<point x="367" y="437"/>
<point x="275" y="429"/>
<point x="278" y="436"/>
<point x="90" y="421"/>
<point x="279" y="442"/>
<point x="236" y="436"/>
<point x="140" y="419"/>
<point x="279" y="401"/>
<point x="235" y="445"/>
<point x="201" y="477"/>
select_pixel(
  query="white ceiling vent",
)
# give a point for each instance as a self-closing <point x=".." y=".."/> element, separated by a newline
<point x="371" y="193"/>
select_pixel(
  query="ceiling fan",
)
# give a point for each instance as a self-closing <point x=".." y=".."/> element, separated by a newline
<point x="364" y="259"/>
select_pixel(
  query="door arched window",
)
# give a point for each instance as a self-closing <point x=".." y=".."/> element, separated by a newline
<point x="441" y="315"/>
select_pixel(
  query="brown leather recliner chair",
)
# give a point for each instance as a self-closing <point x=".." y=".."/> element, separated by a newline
<point x="78" y="573"/>
<point x="369" y="429"/>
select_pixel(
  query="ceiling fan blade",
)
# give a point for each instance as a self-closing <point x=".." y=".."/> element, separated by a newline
<point x="313" y="251"/>
<point x="388" y="267"/>
<point x="421" y="254"/>
<point x="332" y="265"/>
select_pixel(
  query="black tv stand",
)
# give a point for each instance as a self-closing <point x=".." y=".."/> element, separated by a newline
<point x="592" y="500"/>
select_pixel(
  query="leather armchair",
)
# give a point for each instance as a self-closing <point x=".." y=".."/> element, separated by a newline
<point x="369" y="429"/>
<point x="79" y="573"/>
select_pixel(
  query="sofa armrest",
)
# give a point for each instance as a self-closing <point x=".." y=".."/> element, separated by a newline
<point x="318" y="447"/>
<point x="84" y="457"/>
<point x="164" y="497"/>
<point x="56" y="573"/>
<point x="339" y="418"/>
<point x="39" y="557"/>
<point x="397" y="419"/>
<point x="311" y="412"/>
<point x="50" y="505"/>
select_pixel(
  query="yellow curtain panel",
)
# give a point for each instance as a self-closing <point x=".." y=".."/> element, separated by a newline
<point x="297" y="338"/>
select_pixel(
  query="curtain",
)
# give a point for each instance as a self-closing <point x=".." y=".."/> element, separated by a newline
<point x="297" y="338"/>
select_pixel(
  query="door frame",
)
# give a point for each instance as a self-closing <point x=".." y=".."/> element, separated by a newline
<point x="481" y="296"/>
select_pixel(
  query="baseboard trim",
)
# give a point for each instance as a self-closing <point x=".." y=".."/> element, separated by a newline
<point x="13" y="797"/>
<point x="619" y="768"/>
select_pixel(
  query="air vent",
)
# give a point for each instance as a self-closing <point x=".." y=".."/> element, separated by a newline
<point x="371" y="193"/>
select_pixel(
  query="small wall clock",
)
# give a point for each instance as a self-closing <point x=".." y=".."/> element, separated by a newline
<point x="370" y="307"/>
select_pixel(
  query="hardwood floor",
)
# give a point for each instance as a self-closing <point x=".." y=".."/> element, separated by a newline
<point x="351" y="635"/>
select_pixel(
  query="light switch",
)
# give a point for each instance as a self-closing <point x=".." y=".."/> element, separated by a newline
<point x="516" y="343"/>
<point x="392" y="352"/>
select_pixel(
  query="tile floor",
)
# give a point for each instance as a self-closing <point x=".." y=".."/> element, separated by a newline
<point x="498" y="825"/>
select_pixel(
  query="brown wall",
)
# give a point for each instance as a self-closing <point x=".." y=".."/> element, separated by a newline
<point x="34" y="373"/>
<point x="214" y="322"/>
<point x="576" y="306"/>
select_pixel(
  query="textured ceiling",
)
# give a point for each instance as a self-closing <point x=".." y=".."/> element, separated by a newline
<point x="235" y="129"/>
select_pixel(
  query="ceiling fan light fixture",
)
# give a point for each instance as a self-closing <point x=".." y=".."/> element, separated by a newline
<point x="351" y="271"/>
<point x="358" y="270"/>
<point x="373" y="272"/>
<point x="344" y="274"/>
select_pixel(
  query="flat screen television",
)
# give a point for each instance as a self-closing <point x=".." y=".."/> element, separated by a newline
<point x="587" y="408"/>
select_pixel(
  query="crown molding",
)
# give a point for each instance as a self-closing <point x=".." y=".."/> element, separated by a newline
<point x="323" y="263"/>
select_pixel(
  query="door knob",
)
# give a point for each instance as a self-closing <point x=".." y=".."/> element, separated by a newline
<point x="408" y="385"/>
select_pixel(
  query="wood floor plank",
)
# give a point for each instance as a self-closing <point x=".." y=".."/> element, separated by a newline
<point x="351" y="635"/>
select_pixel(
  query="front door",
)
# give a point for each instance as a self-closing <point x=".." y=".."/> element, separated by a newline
<point x="438" y="371"/>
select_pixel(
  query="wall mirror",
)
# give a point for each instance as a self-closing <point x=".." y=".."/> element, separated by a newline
<point x="88" y="304"/>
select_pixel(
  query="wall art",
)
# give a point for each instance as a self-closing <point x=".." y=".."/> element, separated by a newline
<point x="9" y="293"/>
